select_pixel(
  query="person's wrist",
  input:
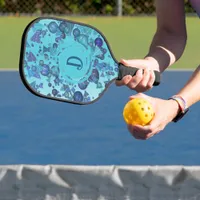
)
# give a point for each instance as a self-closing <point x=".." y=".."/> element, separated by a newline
<point x="174" y="108"/>
<point x="154" y="63"/>
<point x="182" y="104"/>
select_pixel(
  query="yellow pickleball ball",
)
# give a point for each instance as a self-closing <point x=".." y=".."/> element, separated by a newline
<point x="138" y="111"/>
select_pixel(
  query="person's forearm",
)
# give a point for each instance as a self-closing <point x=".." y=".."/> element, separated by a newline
<point x="196" y="6"/>
<point x="191" y="91"/>
<point x="166" y="48"/>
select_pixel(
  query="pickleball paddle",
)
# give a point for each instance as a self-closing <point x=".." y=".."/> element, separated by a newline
<point x="68" y="61"/>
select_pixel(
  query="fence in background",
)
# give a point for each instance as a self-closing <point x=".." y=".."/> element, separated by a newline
<point x="80" y="7"/>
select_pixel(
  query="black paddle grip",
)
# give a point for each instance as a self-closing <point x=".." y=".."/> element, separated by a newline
<point x="124" y="70"/>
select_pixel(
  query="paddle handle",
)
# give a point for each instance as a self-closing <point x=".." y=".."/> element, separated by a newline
<point x="124" y="70"/>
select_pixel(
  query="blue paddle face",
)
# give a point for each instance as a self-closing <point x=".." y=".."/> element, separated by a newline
<point x="66" y="61"/>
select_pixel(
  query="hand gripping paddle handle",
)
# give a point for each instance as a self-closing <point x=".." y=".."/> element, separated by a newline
<point x="124" y="70"/>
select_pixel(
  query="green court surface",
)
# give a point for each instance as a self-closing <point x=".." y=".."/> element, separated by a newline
<point x="129" y="37"/>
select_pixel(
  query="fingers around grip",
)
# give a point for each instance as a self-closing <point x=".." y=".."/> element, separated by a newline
<point x="136" y="79"/>
<point x="126" y="70"/>
<point x="124" y="81"/>
<point x="147" y="81"/>
<point x="146" y="77"/>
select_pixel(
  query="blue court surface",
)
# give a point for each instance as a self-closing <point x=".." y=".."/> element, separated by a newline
<point x="41" y="131"/>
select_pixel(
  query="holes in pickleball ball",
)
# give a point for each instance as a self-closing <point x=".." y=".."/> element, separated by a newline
<point x="140" y="110"/>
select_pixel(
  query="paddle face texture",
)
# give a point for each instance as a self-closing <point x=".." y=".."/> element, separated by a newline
<point x="66" y="61"/>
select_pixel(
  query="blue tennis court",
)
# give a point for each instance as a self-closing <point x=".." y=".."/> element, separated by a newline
<point x="40" y="131"/>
